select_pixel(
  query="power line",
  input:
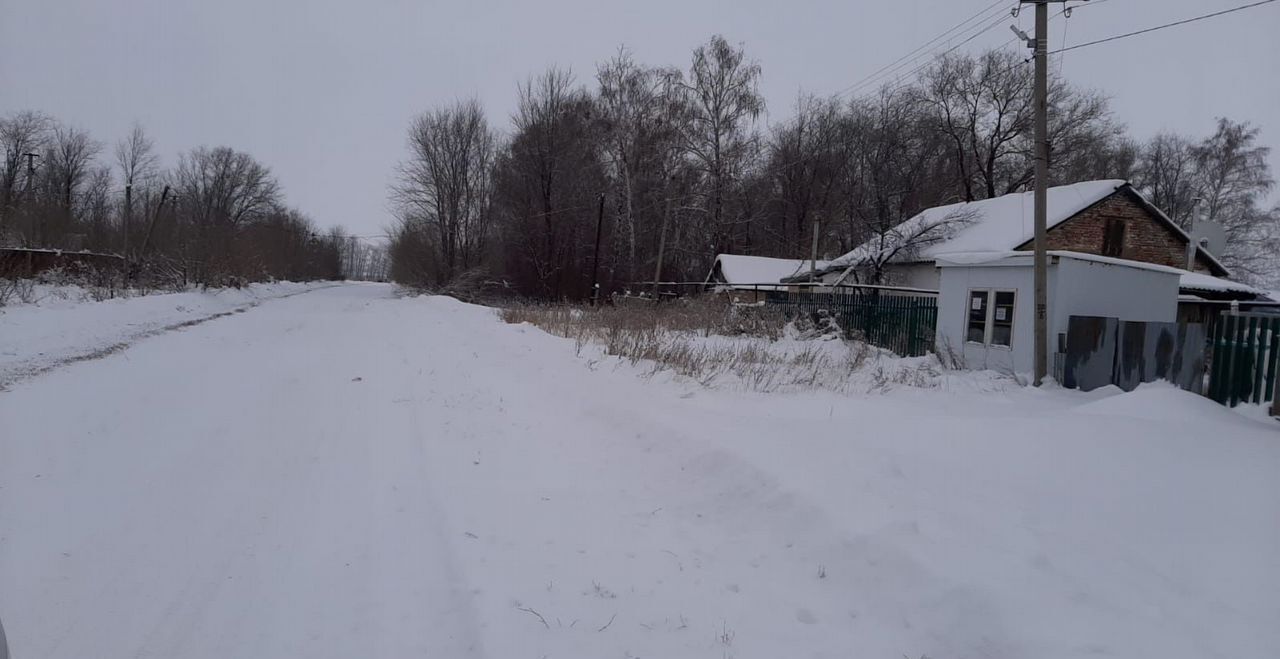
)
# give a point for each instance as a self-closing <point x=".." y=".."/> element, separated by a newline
<point x="1066" y="11"/>
<point x="926" y="44"/>
<point x="905" y="79"/>
<point x="931" y="55"/>
<point x="1166" y="25"/>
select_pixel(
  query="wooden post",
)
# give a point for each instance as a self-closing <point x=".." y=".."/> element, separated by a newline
<point x="146" y="240"/>
<point x="813" y="255"/>
<point x="595" y="261"/>
<point x="128" y="215"/>
<point x="662" y="245"/>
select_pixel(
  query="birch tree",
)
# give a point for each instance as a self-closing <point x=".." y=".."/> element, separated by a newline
<point x="724" y="100"/>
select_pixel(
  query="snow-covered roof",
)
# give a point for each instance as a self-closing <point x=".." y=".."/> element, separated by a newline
<point x="1196" y="281"/>
<point x="1010" y="257"/>
<point x="739" y="270"/>
<point x="990" y="225"/>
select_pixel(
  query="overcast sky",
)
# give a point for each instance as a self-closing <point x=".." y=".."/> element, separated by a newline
<point x="322" y="90"/>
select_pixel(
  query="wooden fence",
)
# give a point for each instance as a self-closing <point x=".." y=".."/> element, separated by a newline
<point x="905" y="324"/>
<point x="1246" y="358"/>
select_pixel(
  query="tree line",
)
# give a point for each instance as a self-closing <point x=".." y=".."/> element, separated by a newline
<point x="217" y="216"/>
<point x="646" y="172"/>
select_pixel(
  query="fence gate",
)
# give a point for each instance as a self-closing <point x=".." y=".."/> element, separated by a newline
<point x="1246" y="358"/>
<point x="1103" y="350"/>
<point x="905" y="324"/>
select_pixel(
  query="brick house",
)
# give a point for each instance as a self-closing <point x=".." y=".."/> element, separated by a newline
<point x="1104" y="218"/>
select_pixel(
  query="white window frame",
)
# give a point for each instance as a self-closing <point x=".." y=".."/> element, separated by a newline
<point x="988" y="322"/>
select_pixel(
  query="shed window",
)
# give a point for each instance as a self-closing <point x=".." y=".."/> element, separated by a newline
<point x="1113" y="238"/>
<point x="1002" y="319"/>
<point x="991" y="317"/>
<point x="978" y="316"/>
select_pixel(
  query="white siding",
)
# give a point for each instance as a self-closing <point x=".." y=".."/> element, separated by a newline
<point x="953" y="316"/>
<point x="1075" y="288"/>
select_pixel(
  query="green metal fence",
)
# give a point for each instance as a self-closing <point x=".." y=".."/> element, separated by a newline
<point x="904" y="324"/>
<point x="1246" y="358"/>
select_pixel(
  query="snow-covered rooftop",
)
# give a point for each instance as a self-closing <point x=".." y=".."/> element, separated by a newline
<point x="990" y="225"/>
<point x="1196" y="281"/>
<point x="739" y="270"/>
<point x="1011" y="257"/>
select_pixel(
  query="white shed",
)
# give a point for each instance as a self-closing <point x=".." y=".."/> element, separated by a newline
<point x="986" y="301"/>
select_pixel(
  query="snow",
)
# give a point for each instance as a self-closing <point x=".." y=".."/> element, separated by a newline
<point x="63" y="324"/>
<point x="747" y="270"/>
<point x="1025" y="258"/>
<point x="350" y="473"/>
<point x="990" y="225"/>
<point x="1196" y="281"/>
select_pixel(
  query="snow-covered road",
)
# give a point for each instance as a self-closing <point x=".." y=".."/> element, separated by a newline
<point x="345" y="473"/>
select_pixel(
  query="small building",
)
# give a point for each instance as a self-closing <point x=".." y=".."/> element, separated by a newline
<point x="748" y="278"/>
<point x="986" y="301"/>
<point x="1202" y="298"/>
<point x="1106" y="218"/>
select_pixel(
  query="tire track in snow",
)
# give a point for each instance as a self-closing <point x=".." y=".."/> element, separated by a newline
<point x="436" y="521"/>
<point x="22" y="371"/>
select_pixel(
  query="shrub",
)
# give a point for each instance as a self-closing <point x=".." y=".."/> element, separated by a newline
<point x="706" y="339"/>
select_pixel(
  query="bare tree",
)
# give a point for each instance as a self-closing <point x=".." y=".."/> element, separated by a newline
<point x="219" y="191"/>
<point x="68" y="166"/>
<point x="896" y="170"/>
<point x="136" y="157"/>
<point x="722" y="93"/>
<point x="639" y="114"/>
<point x="1166" y="174"/>
<point x="96" y="211"/>
<point x="807" y="158"/>
<point x="1233" y="178"/>
<point x="548" y="183"/>
<point x="982" y="106"/>
<point x="444" y="186"/>
<point x="22" y="133"/>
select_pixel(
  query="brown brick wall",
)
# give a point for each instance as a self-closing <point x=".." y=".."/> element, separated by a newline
<point x="1146" y="238"/>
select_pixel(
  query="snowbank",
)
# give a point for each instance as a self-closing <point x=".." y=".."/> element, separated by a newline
<point x="63" y="324"/>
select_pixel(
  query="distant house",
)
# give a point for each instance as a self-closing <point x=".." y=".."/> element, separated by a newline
<point x="1106" y="218"/>
<point x="748" y="278"/>
<point x="1202" y="298"/>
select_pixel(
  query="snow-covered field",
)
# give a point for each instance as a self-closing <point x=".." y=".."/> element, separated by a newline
<point x="347" y="473"/>
<point x="62" y="324"/>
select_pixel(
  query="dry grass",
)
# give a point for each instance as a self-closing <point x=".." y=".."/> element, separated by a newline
<point x="16" y="290"/>
<point x="712" y="342"/>
<point x="705" y="316"/>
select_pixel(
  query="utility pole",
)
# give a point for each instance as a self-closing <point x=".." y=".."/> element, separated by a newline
<point x="1040" y="44"/>
<point x="813" y="254"/>
<point x="1042" y="186"/>
<point x="662" y="245"/>
<point x="26" y="196"/>
<point x="128" y="216"/>
<point x="146" y="240"/>
<point x="595" y="260"/>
